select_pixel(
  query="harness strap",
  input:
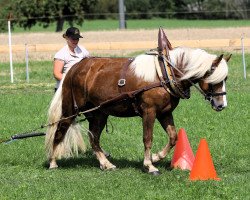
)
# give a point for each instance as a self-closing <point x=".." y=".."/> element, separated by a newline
<point x="72" y="90"/>
<point x="110" y="102"/>
<point x="170" y="80"/>
<point x="166" y="78"/>
<point x="122" y="80"/>
<point x="160" y="75"/>
<point x="191" y="82"/>
<point x="129" y="95"/>
<point x="218" y="94"/>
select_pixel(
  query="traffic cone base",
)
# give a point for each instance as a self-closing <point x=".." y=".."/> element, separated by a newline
<point x="183" y="157"/>
<point x="203" y="167"/>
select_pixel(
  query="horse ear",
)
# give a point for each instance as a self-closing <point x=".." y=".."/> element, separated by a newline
<point x="227" y="58"/>
<point x="163" y="42"/>
<point x="217" y="60"/>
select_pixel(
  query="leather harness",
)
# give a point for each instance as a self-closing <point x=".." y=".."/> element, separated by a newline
<point x="165" y="74"/>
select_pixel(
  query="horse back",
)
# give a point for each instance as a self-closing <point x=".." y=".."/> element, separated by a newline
<point x="95" y="80"/>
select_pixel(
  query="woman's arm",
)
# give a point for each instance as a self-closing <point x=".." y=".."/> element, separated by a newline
<point x="58" y="69"/>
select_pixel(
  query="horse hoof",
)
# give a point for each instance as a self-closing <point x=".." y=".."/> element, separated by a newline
<point x="53" y="166"/>
<point x="110" y="168"/>
<point x="155" y="173"/>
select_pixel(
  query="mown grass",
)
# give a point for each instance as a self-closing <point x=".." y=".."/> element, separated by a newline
<point x="23" y="165"/>
<point x="95" y="25"/>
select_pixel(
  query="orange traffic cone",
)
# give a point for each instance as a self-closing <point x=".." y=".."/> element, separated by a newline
<point x="183" y="157"/>
<point x="203" y="167"/>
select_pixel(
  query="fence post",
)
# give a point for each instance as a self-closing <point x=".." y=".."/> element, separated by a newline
<point x="243" y="56"/>
<point x="122" y="15"/>
<point x="10" y="51"/>
<point x="27" y="62"/>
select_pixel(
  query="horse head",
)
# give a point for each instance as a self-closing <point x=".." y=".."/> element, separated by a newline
<point x="213" y="83"/>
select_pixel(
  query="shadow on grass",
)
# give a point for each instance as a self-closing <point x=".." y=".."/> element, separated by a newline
<point x="88" y="160"/>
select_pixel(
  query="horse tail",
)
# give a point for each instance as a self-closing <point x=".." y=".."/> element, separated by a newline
<point x="72" y="142"/>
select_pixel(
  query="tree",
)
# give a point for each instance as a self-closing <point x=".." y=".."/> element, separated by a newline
<point x="163" y="7"/>
<point x="103" y="9"/>
<point x="3" y="14"/>
<point x="27" y="13"/>
<point x="212" y="9"/>
<point x="138" y="9"/>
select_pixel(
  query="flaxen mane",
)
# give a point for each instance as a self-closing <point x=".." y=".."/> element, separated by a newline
<point x="197" y="62"/>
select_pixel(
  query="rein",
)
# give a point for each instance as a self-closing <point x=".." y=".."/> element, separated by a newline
<point x="191" y="82"/>
<point x="208" y="96"/>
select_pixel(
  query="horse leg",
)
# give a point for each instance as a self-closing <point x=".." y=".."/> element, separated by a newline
<point x="148" y="124"/>
<point x="96" y="125"/>
<point x="167" y="124"/>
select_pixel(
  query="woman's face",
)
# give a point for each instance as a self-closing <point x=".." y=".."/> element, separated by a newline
<point x="72" y="43"/>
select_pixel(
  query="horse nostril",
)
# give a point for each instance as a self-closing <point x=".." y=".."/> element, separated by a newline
<point x="220" y="107"/>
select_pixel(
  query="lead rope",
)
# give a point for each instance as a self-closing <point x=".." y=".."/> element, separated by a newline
<point x="78" y="114"/>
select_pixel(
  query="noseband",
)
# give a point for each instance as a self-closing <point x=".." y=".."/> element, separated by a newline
<point x="210" y="94"/>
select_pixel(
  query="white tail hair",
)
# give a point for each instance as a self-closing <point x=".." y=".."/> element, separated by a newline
<point x="72" y="143"/>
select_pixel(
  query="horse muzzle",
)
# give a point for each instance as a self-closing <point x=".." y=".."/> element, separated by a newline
<point x="217" y="107"/>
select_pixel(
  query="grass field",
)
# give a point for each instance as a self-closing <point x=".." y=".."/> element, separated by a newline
<point x="23" y="165"/>
<point x="93" y="25"/>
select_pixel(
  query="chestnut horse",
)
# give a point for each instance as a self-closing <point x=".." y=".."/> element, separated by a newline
<point x="94" y="80"/>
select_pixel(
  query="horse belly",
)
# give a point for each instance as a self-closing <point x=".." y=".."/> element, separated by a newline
<point x="122" y="110"/>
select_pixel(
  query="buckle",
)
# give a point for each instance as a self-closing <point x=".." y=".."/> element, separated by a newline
<point x="121" y="82"/>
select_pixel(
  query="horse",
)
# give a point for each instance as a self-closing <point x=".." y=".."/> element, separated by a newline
<point x="93" y="82"/>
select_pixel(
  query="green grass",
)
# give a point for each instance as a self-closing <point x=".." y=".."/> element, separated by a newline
<point x="95" y="25"/>
<point x="23" y="164"/>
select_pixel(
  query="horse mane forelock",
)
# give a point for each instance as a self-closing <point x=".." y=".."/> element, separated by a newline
<point x="197" y="63"/>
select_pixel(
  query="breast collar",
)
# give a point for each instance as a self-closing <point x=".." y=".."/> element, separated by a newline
<point x="165" y="72"/>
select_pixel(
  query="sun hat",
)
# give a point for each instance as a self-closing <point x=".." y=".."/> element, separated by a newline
<point x="73" y="33"/>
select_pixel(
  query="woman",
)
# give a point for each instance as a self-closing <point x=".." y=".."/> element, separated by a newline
<point x="70" y="54"/>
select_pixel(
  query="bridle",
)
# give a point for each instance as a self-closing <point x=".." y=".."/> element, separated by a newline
<point x="211" y="93"/>
<point x="208" y="95"/>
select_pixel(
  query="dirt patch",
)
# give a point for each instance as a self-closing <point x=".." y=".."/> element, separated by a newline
<point x="118" y="36"/>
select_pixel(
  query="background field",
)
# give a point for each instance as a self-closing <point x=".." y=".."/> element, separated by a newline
<point x="23" y="164"/>
<point x="97" y="25"/>
<point x="138" y="31"/>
